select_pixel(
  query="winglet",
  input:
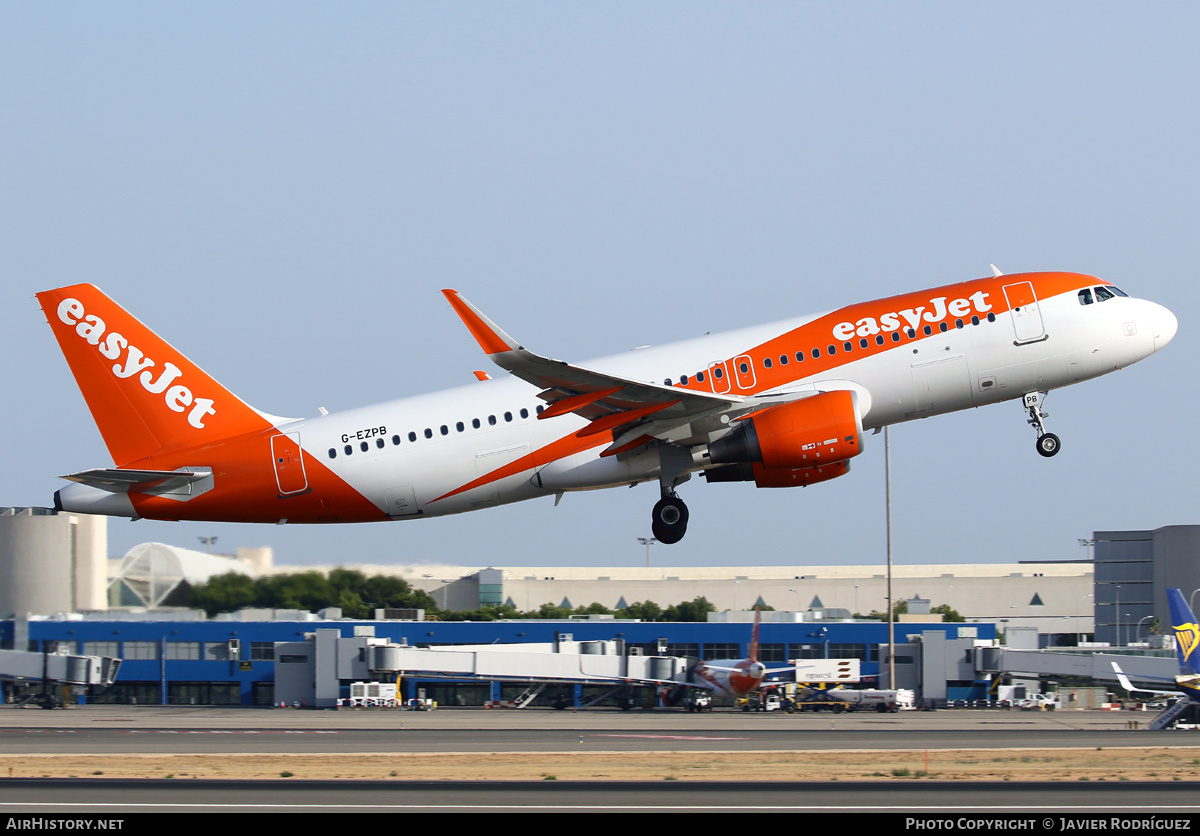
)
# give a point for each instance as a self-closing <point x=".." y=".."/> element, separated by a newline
<point x="489" y="336"/>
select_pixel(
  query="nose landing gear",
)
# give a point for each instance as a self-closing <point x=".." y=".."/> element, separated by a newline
<point x="1048" y="444"/>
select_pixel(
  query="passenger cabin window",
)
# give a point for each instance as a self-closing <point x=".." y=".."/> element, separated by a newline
<point x="1085" y="296"/>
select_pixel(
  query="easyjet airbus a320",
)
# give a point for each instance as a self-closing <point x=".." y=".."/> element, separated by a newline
<point x="779" y="405"/>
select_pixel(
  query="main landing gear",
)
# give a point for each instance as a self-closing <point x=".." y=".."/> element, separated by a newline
<point x="1047" y="443"/>
<point x="670" y="516"/>
<point x="670" y="519"/>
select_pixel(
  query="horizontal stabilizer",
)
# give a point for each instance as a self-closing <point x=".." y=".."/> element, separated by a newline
<point x="121" y="480"/>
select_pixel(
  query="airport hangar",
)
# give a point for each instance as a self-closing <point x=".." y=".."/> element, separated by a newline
<point x="50" y="565"/>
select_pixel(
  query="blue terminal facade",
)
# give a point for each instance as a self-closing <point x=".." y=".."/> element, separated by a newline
<point x="233" y="663"/>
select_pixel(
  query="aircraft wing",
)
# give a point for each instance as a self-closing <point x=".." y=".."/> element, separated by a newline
<point x="635" y="411"/>
<point x="1129" y="686"/>
<point x="121" y="480"/>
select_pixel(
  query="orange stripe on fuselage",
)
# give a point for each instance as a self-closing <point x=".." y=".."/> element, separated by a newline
<point x="820" y="333"/>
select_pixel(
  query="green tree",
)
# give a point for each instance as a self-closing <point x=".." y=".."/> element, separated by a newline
<point x="696" y="609"/>
<point x="349" y="589"/>
<point x="224" y="593"/>
<point x="947" y="613"/>
<point x="642" y="610"/>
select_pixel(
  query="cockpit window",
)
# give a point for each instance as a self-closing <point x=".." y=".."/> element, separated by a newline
<point x="1103" y="294"/>
<point x="1085" y="296"/>
<point x="1118" y="291"/>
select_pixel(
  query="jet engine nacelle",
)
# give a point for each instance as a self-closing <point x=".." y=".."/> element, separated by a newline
<point x="762" y="477"/>
<point x="811" y="432"/>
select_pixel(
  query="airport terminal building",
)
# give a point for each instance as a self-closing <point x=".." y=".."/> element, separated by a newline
<point x="173" y="656"/>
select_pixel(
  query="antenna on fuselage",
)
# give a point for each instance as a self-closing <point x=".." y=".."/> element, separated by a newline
<point x="995" y="270"/>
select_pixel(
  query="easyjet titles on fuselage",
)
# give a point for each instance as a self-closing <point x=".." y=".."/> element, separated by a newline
<point x="177" y="398"/>
<point x="869" y="326"/>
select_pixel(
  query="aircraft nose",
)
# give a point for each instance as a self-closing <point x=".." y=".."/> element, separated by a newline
<point x="1165" y="325"/>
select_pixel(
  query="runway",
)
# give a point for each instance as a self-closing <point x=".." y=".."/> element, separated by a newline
<point x="276" y="734"/>
<point x="66" y="797"/>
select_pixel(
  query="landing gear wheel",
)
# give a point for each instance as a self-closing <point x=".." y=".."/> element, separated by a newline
<point x="669" y="520"/>
<point x="1048" y="444"/>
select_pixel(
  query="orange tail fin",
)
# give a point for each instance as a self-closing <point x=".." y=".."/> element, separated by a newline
<point x="143" y="394"/>
<point x="754" y="638"/>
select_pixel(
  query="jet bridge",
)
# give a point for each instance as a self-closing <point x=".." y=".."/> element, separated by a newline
<point x="57" y="668"/>
<point x="313" y="672"/>
<point x="1090" y="665"/>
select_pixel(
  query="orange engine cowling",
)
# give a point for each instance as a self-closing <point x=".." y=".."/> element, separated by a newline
<point x="805" y="434"/>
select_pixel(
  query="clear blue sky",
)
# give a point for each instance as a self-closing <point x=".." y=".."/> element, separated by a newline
<point x="280" y="189"/>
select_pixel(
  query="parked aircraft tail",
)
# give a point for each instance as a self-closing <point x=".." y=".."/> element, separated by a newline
<point x="144" y="395"/>
<point x="1187" y="633"/>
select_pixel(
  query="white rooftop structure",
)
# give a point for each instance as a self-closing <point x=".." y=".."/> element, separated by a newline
<point x="158" y="575"/>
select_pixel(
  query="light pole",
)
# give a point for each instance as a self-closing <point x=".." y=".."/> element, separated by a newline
<point x="887" y="478"/>
<point x="646" y="541"/>
<point x="208" y="541"/>
<point x="1138" y="634"/>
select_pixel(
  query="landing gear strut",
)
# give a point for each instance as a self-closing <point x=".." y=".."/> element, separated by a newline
<point x="670" y="519"/>
<point x="1047" y="443"/>
<point x="670" y="516"/>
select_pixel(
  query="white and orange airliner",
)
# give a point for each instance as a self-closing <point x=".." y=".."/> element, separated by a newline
<point x="781" y="405"/>
<point x="720" y="677"/>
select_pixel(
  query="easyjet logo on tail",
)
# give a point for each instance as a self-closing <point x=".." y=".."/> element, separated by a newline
<point x="935" y="312"/>
<point x="111" y="345"/>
